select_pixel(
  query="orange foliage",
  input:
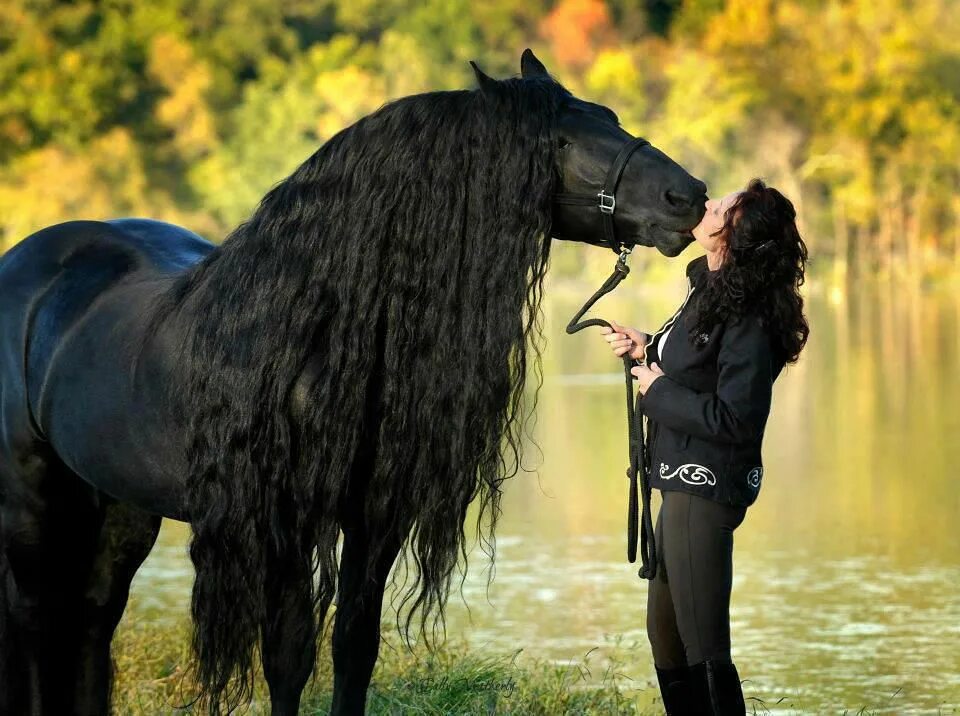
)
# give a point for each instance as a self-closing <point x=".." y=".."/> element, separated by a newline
<point x="575" y="29"/>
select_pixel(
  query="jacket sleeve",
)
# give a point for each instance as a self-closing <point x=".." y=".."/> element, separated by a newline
<point x="737" y="412"/>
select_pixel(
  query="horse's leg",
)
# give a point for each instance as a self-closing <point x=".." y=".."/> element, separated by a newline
<point x="356" y="633"/>
<point x="289" y="637"/>
<point x="11" y="672"/>
<point x="126" y="537"/>
<point x="48" y="519"/>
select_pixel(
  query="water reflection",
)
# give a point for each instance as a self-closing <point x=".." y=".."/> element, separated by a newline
<point x="846" y="566"/>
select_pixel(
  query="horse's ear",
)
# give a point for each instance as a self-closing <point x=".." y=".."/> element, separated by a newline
<point x="483" y="80"/>
<point x="530" y="66"/>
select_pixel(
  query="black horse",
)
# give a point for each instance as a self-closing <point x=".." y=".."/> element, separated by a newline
<point x="352" y="359"/>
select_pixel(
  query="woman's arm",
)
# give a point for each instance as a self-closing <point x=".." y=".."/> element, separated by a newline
<point x="738" y="410"/>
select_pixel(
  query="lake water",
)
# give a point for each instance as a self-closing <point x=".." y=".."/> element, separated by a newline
<point x="846" y="569"/>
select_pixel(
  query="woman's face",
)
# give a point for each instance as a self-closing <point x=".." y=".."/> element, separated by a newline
<point x="713" y="221"/>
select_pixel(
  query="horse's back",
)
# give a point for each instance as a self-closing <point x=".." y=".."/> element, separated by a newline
<point x="144" y="244"/>
<point x="50" y="279"/>
<point x="92" y="255"/>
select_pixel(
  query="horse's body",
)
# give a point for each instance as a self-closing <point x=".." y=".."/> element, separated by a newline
<point x="74" y="300"/>
<point x="146" y="373"/>
<point x="83" y="485"/>
<point x="92" y="456"/>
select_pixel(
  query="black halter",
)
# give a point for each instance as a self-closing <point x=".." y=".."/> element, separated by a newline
<point x="639" y="469"/>
<point x="604" y="200"/>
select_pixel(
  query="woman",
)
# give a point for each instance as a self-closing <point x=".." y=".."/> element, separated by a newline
<point x="706" y="378"/>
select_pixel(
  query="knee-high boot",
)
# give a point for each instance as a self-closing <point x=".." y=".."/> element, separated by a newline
<point x="718" y="688"/>
<point x="677" y="691"/>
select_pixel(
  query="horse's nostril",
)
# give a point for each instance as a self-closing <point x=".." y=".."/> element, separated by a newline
<point x="677" y="200"/>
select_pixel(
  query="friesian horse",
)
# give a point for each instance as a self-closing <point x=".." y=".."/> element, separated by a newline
<point x="351" y="358"/>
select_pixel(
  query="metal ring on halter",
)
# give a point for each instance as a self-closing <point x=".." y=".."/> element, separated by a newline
<point x="608" y="202"/>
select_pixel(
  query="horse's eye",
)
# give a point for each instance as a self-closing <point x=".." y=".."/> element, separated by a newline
<point x="563" y="144"/>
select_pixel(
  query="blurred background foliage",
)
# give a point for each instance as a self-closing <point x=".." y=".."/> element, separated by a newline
<point x="190" y="111"/>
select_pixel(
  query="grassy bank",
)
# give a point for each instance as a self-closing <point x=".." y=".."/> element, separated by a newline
<point x="152" y="678"/>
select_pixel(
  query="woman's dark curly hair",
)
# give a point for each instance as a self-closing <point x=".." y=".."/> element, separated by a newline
<point x="762" y="270"/>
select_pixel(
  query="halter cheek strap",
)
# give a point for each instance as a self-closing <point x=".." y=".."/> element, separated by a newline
<point x="606" y="198"/>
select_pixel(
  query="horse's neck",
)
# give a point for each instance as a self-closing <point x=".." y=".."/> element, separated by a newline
<point x="300" y="395"/>
<point x="166" y="347"/>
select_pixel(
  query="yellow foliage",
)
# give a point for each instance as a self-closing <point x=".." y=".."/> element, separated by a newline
<point x="613" y="71"/>
<point x="710" y="101"/>
<point x="614" y="79"/>
<point x="349" y="93"/>
<point x="843" y="104"/>
<point x="106" y="180"/>
<point x="53" y="184"/>
<point x="406" y="68"/>
<point x="743" y="23"/>
<point x="184" y="110"/>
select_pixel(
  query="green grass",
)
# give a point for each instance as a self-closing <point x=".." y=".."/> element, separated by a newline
<point x="153" y="678"/>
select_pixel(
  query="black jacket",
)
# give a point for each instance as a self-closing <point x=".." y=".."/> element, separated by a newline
<point x="707" y="413"/>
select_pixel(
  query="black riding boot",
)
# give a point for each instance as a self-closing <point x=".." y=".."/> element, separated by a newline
<point x="677" y="691"/>
<point x="718" y="688"/>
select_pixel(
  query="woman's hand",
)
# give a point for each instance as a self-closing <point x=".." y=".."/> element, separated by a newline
<point x="646" y="376"/>
<point x="624" y="338"/>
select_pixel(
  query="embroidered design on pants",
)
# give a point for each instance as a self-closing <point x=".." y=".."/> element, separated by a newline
<point x="691" y="473"/>
<point x="754" y="477"/>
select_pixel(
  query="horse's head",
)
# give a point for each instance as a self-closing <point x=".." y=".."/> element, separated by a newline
<point x="649" y="199"/>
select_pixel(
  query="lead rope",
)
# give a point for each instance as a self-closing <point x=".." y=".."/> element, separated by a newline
<point x="639" y="469"/>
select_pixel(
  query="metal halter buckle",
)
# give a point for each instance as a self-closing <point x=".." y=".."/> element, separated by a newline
<point x="607" y="202"/>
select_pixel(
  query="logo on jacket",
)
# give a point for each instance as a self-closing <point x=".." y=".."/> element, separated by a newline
<point x="753" y="477"/>
<point x="691" y="473"/>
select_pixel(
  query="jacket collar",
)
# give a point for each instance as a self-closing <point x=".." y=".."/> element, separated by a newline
<point x="697" y="268"/>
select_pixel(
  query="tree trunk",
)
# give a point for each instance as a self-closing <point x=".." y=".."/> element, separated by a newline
<point x="841" y="232"/>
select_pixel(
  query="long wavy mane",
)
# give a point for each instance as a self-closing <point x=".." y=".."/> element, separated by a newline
<point x="405" y="259"/>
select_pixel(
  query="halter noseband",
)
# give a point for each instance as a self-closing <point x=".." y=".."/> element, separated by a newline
<point x="604" y="200"/>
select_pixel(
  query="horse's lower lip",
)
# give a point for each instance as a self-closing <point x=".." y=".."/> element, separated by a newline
<point x="674" y="239"/>
<point x="686" y="233"/>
